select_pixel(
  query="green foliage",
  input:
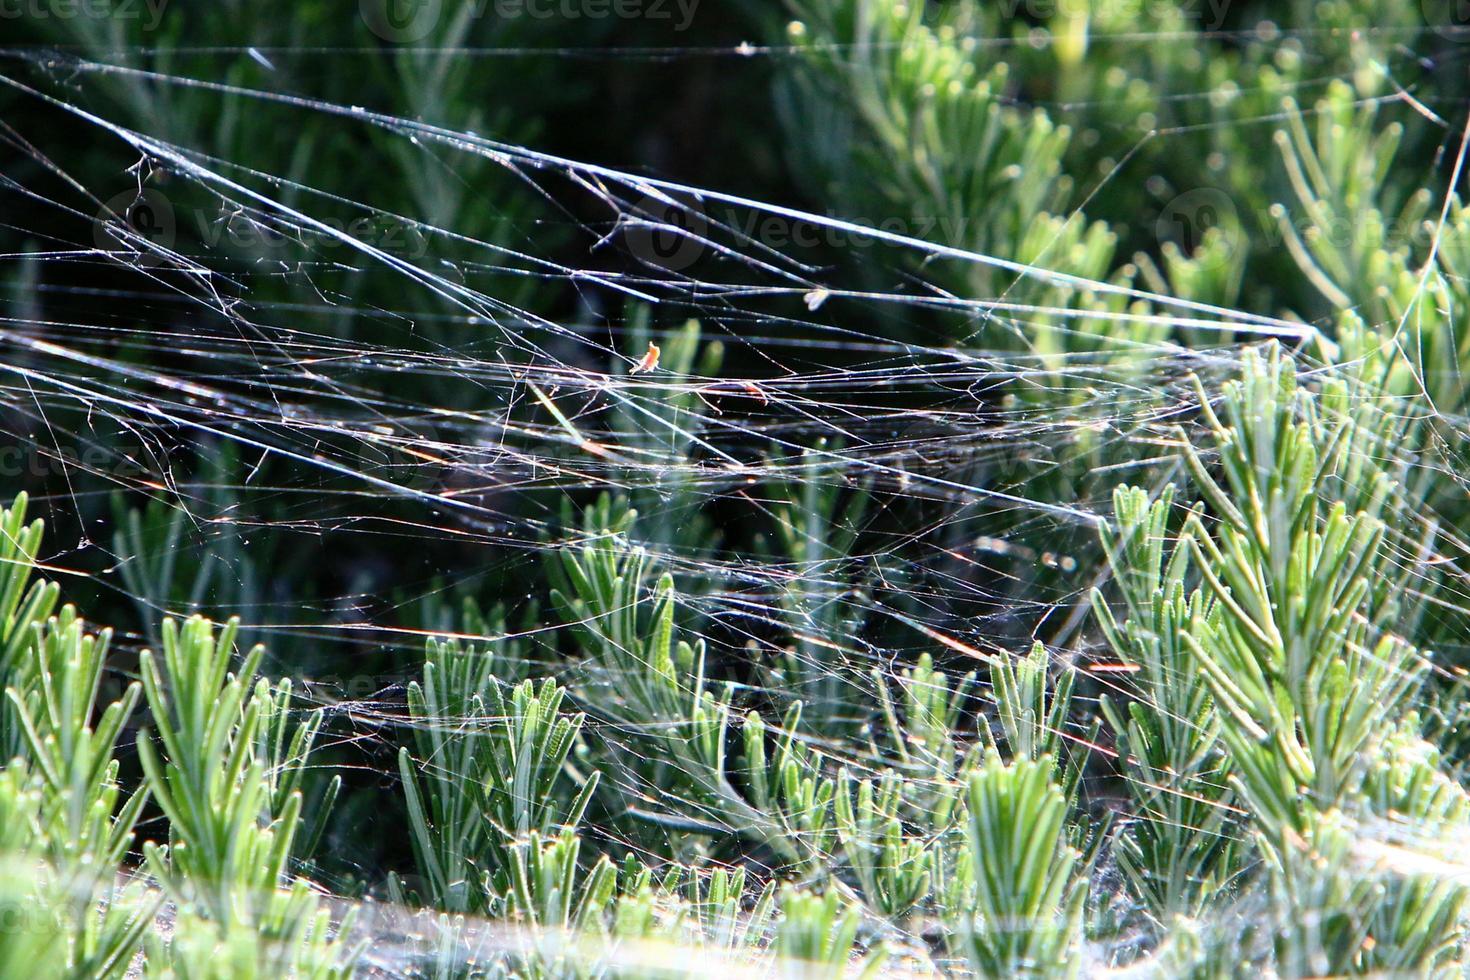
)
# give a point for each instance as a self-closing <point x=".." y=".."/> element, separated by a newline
<point x="550" y="897"/>
<point x="1028" y="898"/>
<point x="923" y="723"/>
<point x="657" y="688"/>
<point x="201" y="951"/>
<point x="816" y="530"/>
<point x="1033" y="714"/>
<point x="230" y="831"/>
<point x="1277" y="592"/>
<point x="23" y="604"/>
<point x="74" y="760"/>
<point x="816" y="936"/>
<point x="885" y="78"/>
<point x="1292" y="658"/>
<point x="29" y="941"/>
<point x="491" y="765"/>
<point x="1180" y="850"/>
<point x="1308" y="684"/>
<point x="68" y="825"/>
<point x="892" y="868"/>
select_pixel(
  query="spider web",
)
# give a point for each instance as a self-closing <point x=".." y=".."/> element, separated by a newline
<point x="191" y="333"/>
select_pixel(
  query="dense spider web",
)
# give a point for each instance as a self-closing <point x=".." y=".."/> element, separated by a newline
<point x="190" y="334"/>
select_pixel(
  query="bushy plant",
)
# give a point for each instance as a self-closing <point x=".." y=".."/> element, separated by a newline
<point x="813" y="646"/>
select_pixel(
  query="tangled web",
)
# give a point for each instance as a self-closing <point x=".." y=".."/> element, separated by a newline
<point x="863" y="447"/>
